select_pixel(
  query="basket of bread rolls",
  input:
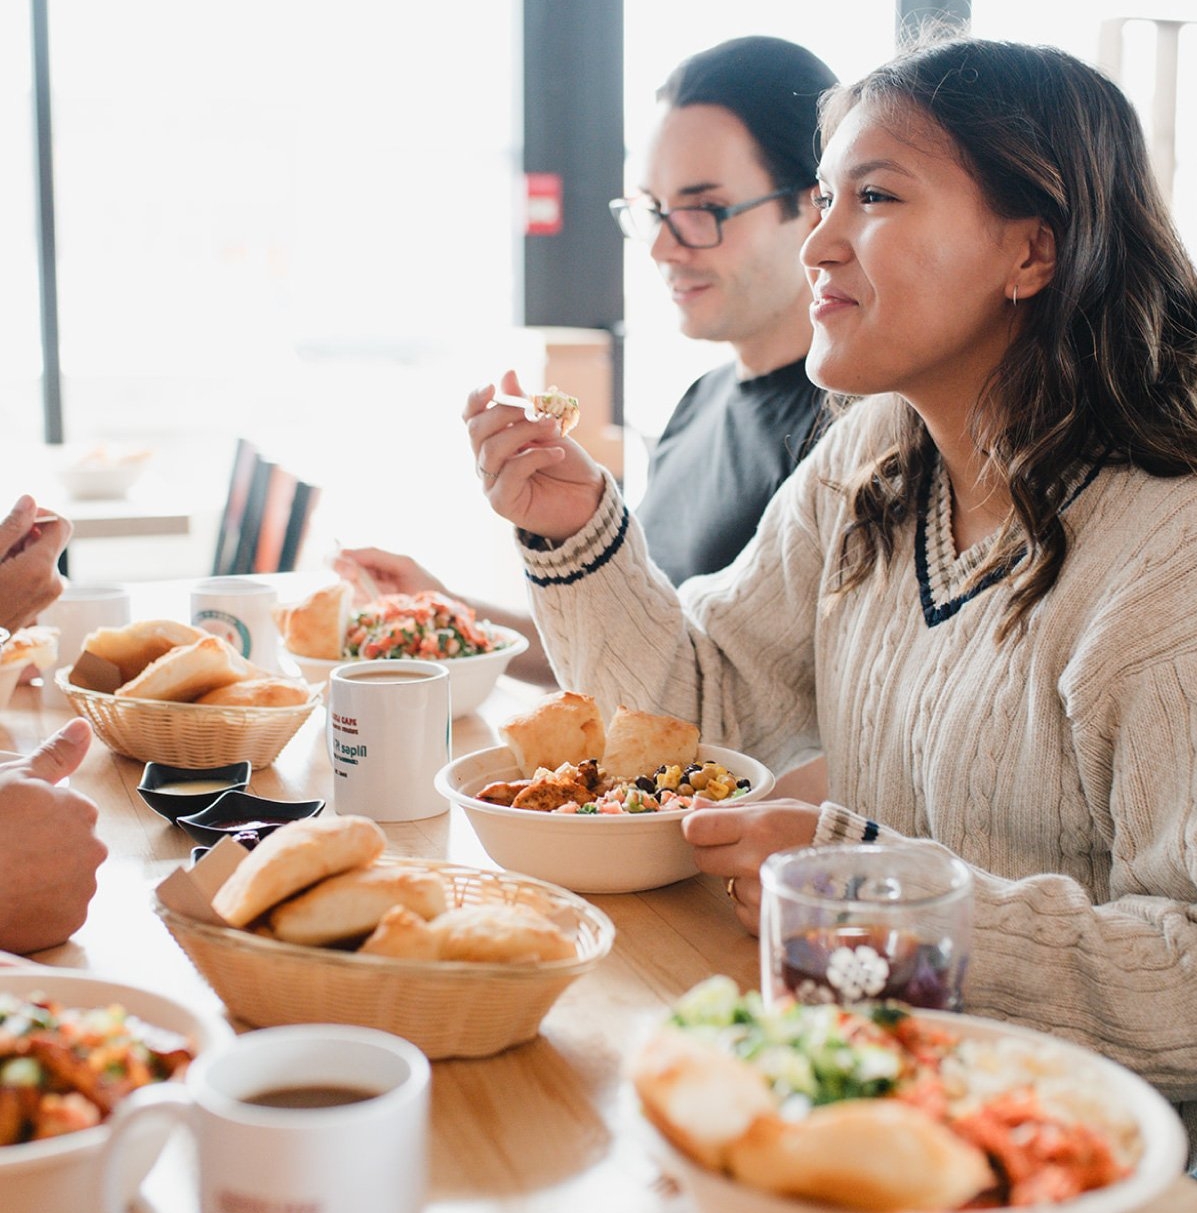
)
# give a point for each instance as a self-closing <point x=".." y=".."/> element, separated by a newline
<point x="316" y="925"/>
<point x="162" y="691"/>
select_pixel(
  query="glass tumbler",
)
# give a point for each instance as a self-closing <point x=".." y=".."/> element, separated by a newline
<point x="866" y="922"/>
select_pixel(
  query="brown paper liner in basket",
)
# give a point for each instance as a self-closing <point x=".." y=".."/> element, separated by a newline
<point x="186" y="734"/>
<point x="445" y="1008"/>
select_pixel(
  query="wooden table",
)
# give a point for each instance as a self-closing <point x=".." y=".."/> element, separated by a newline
<point x="545" y="1127"/>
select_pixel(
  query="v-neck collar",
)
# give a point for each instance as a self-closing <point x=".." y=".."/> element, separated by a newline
<point x="943" y="575"/>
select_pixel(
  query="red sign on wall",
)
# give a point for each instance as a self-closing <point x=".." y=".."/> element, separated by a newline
<point x="543" y="209"/>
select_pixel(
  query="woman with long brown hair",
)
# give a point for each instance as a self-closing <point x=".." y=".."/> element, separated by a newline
<point x="977" y="595"/>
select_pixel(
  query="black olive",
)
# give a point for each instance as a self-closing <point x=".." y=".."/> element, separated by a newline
<point x="743" y="783"/>
<point x="646" y="783"/>
<point x="694" y="766"/>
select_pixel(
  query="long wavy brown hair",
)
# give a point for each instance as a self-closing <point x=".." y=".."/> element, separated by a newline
<point x="1105" y="363"/>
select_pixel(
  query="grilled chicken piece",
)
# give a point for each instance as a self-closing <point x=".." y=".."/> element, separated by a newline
<point x="503" y="793"/>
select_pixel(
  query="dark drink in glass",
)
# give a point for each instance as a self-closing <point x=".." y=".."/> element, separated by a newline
<point x="854" y="964"/>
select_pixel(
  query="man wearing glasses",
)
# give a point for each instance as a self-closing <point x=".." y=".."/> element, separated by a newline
<point x="724" y="206"/>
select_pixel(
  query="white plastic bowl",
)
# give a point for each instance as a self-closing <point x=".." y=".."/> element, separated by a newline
<point x="1165" y="1145"/>
<point x="607" y="853"/>
<point x="63" y="1173"/>
<point x="101" y="481"/>
<point x="471" y="679"/>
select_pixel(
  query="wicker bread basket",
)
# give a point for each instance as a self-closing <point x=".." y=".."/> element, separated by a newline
<point x="446" y="1008"/>
<point x="186" y="734"/>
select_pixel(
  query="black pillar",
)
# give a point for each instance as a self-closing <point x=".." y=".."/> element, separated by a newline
<point x="573" y="130"/>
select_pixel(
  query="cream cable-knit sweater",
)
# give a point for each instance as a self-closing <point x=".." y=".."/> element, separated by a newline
<point x="1062" y="766"/>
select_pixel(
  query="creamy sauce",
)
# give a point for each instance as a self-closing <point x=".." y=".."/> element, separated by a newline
<point x="193" y="787"/>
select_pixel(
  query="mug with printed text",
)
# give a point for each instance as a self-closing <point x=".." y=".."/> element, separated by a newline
<point x="388" y="729"/>
<point x="240" y="610"/>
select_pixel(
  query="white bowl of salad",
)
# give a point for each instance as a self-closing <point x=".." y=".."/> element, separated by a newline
<point x="426" y="627"/>
<point x="603" y="850"/>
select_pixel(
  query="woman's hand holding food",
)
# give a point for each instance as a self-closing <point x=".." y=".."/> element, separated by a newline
<point x="49" y="851"/>
<point x="531" y="475"/>
<point x="733" y="842"/>
<point x="29" y="551"/>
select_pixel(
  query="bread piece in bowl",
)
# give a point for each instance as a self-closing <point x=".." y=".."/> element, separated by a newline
<point x="563" y="728"/>
<point x="316" y="626"/>
<point x="639" y="742"/>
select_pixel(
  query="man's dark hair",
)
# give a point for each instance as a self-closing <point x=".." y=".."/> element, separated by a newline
<point x="773" y="87"/>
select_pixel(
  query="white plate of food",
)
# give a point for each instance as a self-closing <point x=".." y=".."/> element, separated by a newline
<point x="63" y="1171"/>
<point x="728" y="1113"/>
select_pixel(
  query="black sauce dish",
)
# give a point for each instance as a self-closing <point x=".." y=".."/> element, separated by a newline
<point x="211" y="783"/>
<point x="245" y="817"/>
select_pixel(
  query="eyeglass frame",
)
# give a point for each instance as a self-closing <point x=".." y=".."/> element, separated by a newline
<point x="721" y="214"/>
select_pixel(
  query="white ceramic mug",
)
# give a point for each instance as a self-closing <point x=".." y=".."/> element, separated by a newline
<point x="77" y="612"/>
<point x="239" y="609"/>
<point x="388" y="735"/>
<point x="324" y="1118"/>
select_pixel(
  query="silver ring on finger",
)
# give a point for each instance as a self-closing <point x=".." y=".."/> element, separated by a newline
<point x="483" y="474"/>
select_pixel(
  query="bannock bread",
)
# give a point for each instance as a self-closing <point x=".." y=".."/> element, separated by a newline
<point x="563" y="728"/>
<point x="316" y="626"/>
<point x="133" y="647"/>
<point x="638" y="742"/>
<point x="292" y="858"/>
<point x="482" y="934"/>
<point x="697" y="1096"/>
<point x="35" y="645"/>
<point x="259" y="693"/>
<point x="351" y="904"/>
<point x="880" y="1155"/>
<point x="188" y="671"/>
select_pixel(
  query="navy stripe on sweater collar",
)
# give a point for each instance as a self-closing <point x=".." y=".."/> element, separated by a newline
<point x="936" y="612"/>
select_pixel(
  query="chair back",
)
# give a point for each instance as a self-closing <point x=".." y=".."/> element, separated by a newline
<point x="265" y="518"/>
<point x="237" y="504"/>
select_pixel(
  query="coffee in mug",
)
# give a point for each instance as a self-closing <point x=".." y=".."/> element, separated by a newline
<point x="322" y="1117"/>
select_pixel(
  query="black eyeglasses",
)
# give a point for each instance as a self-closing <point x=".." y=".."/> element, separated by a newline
<point x="640" y="218"/>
